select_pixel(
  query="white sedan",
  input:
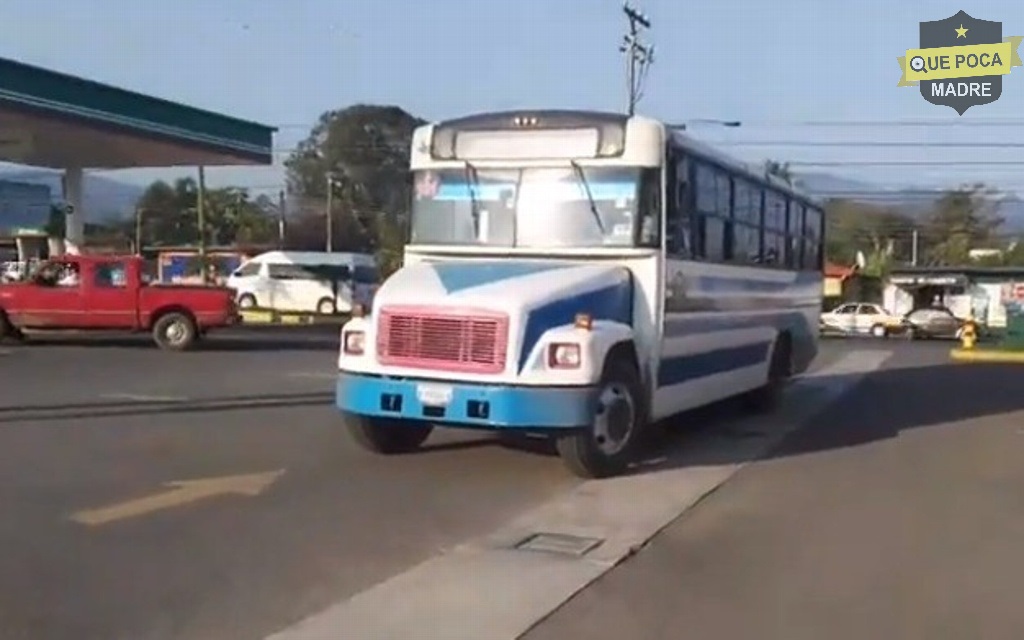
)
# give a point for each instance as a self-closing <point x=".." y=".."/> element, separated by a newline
<point x="861" y="318"/>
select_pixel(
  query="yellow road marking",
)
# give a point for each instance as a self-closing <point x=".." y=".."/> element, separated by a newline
<point x="182" y="492"/>
<point x="987" y="355"/>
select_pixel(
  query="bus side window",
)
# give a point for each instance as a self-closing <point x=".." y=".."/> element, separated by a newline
<point x="650" y="209"/>
<point x="677" y="222"/>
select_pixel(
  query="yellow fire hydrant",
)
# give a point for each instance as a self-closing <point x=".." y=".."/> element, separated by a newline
<point x="969" y="333"/>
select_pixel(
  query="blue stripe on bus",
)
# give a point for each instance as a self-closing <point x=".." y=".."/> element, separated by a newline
<point x="680" y="369"/>
<point x="613" y="303"/>
<point x="455" y="276"/>
<point x="680" y="324"/>
<point x="491" y="191"/>
<point x="736" y="284"/>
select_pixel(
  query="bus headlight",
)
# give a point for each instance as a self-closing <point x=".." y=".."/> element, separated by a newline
<point x="354" y="343"/>
<point x="564" y="355"/>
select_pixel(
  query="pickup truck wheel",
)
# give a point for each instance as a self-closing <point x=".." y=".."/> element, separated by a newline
<point x="175" y="332"/>
<point x="246" y="301"/>
<point x="8" y="331"/>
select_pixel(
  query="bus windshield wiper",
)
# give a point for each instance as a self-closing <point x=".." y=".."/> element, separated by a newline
<point x="472" y="181"/>
<point x="582" y="176"/>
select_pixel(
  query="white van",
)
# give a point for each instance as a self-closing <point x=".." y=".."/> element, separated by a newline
<point x="306" y="281"/>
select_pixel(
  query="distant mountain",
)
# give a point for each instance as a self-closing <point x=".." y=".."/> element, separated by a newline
<point x="826" y="185"/>
<point x="105" y="198"/>
<point x="913" y="201"/>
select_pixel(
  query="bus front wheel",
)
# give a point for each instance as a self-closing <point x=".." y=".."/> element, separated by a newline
<point x="606" y="447"/>
<point x="387" y="436"/>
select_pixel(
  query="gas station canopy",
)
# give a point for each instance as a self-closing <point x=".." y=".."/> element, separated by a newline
<point x="49" y="119"/>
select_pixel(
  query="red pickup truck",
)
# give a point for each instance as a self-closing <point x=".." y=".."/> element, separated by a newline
<point x="97" y="292"/>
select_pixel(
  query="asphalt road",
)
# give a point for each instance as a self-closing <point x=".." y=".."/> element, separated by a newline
<point x="125" y="419"/>
<point x="896" y="514"/>
<point x="86" y="428"/>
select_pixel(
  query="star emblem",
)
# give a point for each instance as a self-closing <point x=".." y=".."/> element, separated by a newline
<point x="961" y="32"/>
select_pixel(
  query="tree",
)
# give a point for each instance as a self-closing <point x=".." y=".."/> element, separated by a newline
<point x="961" y="220"/>
<point x="169" y="215"/>
<point x="882" y="234"/>
<point x="779" y="170"/>
<point x="365" y="150"/>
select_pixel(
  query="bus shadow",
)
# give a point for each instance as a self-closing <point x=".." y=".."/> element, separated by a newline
<point x="882" y="406"/>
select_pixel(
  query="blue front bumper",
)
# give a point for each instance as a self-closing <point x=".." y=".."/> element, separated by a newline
<point x="471" y="405"/>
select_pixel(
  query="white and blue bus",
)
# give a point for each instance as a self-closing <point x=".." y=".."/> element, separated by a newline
<point x="581" y="275"/>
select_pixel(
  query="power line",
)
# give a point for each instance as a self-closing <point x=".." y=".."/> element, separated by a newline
<point x="924" y="122"/>
<point x="937" y="122"/>
<point x="866" y="144"/>
<point x="910" y="163"/>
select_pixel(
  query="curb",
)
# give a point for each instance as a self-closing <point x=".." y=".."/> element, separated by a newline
<point x="262" y="317"/>
<point x="987" y="355"/>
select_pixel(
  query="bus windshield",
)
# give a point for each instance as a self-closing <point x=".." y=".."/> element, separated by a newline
<point x="570" y="206"/>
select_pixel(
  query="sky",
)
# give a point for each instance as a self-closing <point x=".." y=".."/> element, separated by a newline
<point x="774" y="66"/>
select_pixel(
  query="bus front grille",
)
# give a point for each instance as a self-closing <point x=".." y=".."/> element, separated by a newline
<point x="462" y="340"/>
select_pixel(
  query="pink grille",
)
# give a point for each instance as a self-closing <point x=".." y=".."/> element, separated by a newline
<point x="463" y="340"/>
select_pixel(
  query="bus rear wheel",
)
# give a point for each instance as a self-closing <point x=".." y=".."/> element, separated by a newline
<point x="768" y="397"/>
<point x="387" y="436"/>
<point x="606" y="447"/>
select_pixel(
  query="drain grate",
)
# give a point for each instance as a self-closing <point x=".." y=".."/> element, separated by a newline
<point x="559" y="543"/>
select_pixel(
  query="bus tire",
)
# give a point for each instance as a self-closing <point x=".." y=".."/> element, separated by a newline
<point x="767" y="398"/>
<point x="606" y="448"/>
<point x="246" y="301"/>
<point x="387" y="436"/>
<point x="175" y="331"/>
<point x="326" y="307"/>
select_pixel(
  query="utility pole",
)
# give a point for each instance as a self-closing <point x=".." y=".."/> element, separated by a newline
<point x="913" y="247"/>
<point x="281" y="213"/>
<point x="330" y="212"/>
<point x="139" y="211"/>
<point x="201" y="220"/>
<point x="639" y="56"/>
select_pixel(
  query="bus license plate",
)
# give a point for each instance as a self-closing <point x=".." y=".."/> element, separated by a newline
<point x="434" y="395"/>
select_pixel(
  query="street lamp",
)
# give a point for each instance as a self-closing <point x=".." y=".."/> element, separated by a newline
<point x="708" y="121"/>
<point x="330" y="214"/>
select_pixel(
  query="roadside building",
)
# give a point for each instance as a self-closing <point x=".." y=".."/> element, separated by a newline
<point x="963" y="290"/>
<point x="24" y="208"/>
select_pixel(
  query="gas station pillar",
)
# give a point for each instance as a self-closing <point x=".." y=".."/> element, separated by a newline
<point x="74" y="217"/>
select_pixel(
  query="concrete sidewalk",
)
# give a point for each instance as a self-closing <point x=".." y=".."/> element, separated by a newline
<point x="896" y="514"/>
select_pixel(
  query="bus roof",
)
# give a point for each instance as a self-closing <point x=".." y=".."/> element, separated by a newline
<point x="570" y="118"/>
<point x="747" y="170"/>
